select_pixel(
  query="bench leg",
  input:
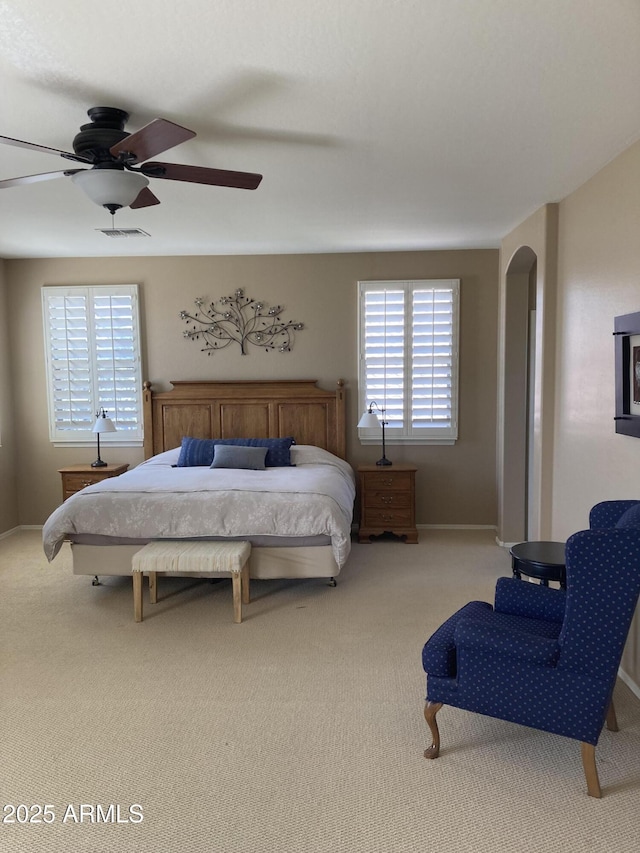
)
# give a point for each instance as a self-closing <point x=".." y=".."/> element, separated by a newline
<point x="153" y="587"/>
<point x="236" y="579"/>
<point x="137" y="596"/>
<point x="245" y="584"/>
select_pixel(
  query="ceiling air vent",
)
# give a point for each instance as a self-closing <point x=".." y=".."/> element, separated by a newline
<point x="124" y="232"/>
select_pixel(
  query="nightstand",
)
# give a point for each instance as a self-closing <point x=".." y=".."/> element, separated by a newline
<point x="388" y="501"/>
<point x="76" y="477"/>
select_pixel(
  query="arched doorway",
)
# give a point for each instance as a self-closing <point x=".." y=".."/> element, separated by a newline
<point x="520" y="368"/>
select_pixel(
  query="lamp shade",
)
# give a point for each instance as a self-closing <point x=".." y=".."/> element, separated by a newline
<point x="369" y="420"/>
<point x="103" y="424"/>
<point x="111" y="188"/>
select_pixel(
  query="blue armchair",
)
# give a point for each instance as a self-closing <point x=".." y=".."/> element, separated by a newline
<point x="543" y="657"/>
<point x="615" y="514"/>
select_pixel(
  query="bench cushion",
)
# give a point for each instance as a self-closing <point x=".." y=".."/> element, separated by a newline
<point x="191" y="557"/>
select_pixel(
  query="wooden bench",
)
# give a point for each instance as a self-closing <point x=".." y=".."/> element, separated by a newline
<point x="196" y="558"/>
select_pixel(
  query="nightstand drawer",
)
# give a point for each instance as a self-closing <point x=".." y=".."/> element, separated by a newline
<point x="76" y="482"/>
<point x="389" y="517"/>
<point x="393" y="480"/>
<point x="78" y="477"/>
<point x="388" y="499"/>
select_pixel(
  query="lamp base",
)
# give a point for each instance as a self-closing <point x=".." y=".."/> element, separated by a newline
<point x="98" y="464"/>
<point x="384" y="461"/>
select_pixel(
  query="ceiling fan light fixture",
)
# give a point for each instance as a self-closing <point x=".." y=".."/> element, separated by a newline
<point x="110" y="188"/>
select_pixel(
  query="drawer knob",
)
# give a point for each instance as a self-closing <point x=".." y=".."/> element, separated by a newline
<point x="388" y="481"/>
<point x="386" y="499"/>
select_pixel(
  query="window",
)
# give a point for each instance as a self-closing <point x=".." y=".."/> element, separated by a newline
<point x="92" y="353"/>
<point x="408" y="335"/>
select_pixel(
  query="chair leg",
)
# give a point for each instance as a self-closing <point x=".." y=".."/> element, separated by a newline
<point x="612" y="720"/>
<point x="590" y="769"/>
<point x="430" y="711"/>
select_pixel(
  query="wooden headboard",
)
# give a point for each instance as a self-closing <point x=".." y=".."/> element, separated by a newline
<point x="260" y="409"/>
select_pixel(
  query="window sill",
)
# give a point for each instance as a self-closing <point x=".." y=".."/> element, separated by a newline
<point x="398" y="441"/>
<point x="103" y="444"/>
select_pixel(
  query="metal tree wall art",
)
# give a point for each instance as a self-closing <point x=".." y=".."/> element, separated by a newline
<point x="241" y="319"/>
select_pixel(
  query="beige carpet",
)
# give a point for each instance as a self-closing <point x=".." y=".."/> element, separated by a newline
<point x="299" y="730"/>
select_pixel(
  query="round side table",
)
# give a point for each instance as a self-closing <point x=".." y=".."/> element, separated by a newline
<point x="541" y="560"/>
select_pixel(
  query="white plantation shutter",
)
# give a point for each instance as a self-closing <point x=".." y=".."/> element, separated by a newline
<point x="66" y="319"/>
<point x="409" y="358"/>
<point x="384" y="352"/>
<point x="117" y="360"/>
<point x="92" y="349"/>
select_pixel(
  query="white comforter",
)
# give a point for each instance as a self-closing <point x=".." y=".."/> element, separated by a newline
<point x="158" y="501"/>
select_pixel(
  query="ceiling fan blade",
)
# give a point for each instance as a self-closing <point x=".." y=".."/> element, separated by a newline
<point x="32" y="179"/>
<point x="202" y="175"/>
<point x="154" y="138"/>
<point x="19" y="143"/>
<point x="145" y="198"/>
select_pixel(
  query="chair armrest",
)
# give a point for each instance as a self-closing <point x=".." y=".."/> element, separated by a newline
<point x="607" y="513"/>
<point x="439" y="652"/>
<point x="532" y="600"/>
<point x="472" y="637"/>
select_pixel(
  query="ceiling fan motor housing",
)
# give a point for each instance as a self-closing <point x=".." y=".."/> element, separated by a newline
<point x="105" y="130"/>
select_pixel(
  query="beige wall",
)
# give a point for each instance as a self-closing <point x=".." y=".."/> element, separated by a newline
<point x="598" y="278"/>
<point x="599" y="275"/>
<point x="8" y="494"/>
<point x="455" y="484"/>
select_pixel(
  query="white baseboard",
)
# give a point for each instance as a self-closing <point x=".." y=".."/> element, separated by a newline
<point x="456" y="526"/>
<point x="9" y="532"/>
<point x="633" y="687"/>
<point x="19" y="528"/>
<point x="354" y="527"/>
<point x="505" y="544"/>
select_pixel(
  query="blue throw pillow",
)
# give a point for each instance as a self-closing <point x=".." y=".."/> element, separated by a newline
<point x="630" y="518"/>
<point x="199" y="451"/>
<point x="227" y="456"/>
<point x="195" y="451"/>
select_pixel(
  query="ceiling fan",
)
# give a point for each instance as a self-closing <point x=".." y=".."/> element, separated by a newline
<point x="120" y="171"/>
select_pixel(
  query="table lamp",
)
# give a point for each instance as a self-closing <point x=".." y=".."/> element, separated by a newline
<point x="370" y="420"/>
<point x="102" y="424"/>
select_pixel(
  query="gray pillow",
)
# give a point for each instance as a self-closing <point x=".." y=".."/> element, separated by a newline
<point x="236" y="456"/>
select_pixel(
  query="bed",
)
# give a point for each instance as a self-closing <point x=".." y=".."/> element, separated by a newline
<point x="297" y="518"/>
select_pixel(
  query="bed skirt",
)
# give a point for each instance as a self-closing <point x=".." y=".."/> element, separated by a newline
<point x="264" y="563"/>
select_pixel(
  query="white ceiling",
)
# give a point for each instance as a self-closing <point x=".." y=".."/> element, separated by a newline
<point x="377" y="124"/>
